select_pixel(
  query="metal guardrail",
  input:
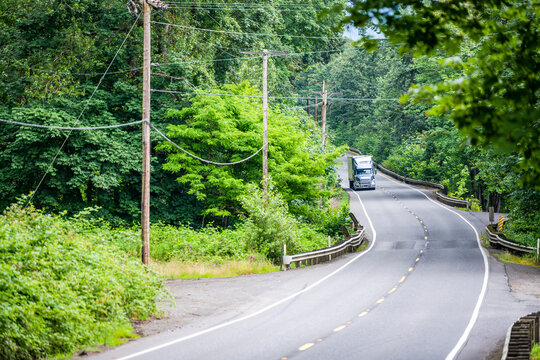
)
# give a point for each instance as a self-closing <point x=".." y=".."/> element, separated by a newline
<point x="327" y="254"/>
<point x="445" y="199"/>
<point x="452" y="201"/>
<point x="409" y="180"/>
<point x="496" y="238"/>
<point x="522" y="336"/>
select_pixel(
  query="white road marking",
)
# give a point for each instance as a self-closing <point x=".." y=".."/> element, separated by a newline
<point x="463" y="339"/>
<point x="269" y="307"/>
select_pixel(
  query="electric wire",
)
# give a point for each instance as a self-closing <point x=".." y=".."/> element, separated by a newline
<point x="239" y="3"/>
<point x="82" y="111"/>
<point x="272" y="97"/>
<point x="204" y="160"/>
<point x="102" y="127"/>
<point x="245" y="33"/>
<point x="240" y="8"/>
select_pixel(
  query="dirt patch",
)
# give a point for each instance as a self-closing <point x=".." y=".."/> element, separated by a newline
<point x="197" y="304"/>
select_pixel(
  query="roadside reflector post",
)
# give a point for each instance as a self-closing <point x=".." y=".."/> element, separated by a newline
<point x="500" y="223"/>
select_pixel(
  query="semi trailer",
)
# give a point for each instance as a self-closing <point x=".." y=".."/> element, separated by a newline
<point x="361" y="172"/>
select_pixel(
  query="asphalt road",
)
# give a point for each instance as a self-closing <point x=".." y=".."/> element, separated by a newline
<point x="414" y="294"/>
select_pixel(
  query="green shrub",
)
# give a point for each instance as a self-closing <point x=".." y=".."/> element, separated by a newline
<point x="60" y="291"/>
<point x="269" y="225"/>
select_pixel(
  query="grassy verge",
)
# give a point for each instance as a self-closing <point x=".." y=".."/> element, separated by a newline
<point x="191" y="270"/>
<point x="528" y="260"/>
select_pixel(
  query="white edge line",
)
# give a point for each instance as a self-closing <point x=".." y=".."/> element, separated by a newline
<point x="507" y="342"/>
<point x="271" y="306"/>
<point x="464" y="337"/>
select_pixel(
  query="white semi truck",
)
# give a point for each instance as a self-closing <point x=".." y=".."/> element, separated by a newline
<point x="361" y="172"/>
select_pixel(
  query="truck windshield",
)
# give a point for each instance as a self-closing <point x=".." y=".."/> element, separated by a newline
<point x="363" y="171"/>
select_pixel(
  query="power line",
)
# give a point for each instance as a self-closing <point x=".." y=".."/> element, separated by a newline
<point x="85" y="74"/>
<point x="82" y="111"/>
<point x="238" y="3"/>
<point x="204" y="160"/>
<point x="239" y="8"/>
<point x="244" y="33"/>
<point x="184" y="62"/>
<point x="271" y="97"/>
<point x="103" y="127"/>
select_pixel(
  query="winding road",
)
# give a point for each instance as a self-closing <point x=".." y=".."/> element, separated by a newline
<point x="415" y="293"/>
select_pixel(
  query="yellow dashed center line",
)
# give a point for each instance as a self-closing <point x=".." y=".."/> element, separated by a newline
<point x="305" y="346"/>
<point x="382" y="299"/>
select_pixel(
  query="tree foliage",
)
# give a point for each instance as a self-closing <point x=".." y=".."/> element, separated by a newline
<point x="227" y="129"/>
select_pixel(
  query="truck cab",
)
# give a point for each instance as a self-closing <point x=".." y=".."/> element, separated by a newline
<point x="361" y="172"/>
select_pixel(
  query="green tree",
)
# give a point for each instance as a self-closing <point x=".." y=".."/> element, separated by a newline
<point x="229" y="128"/>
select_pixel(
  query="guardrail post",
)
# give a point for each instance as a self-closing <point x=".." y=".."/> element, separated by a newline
<point x="329" y="245"/>
<point x="283" y="266"/>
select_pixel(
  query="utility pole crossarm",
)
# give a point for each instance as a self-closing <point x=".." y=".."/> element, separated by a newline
<point x="158" y="4"/>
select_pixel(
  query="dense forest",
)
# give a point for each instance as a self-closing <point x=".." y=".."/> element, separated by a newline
<point x="55" y="54"/>
<point x="78" y="63"/>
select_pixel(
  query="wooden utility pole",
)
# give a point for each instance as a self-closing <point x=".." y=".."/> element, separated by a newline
<point x="145" y="197"/>
<point x="265" y="54"/>
<point x="265" y="125"/>
<point x="145" y="201"/>
<point x="323" y="116"/>
<point x="325" y="105"/>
